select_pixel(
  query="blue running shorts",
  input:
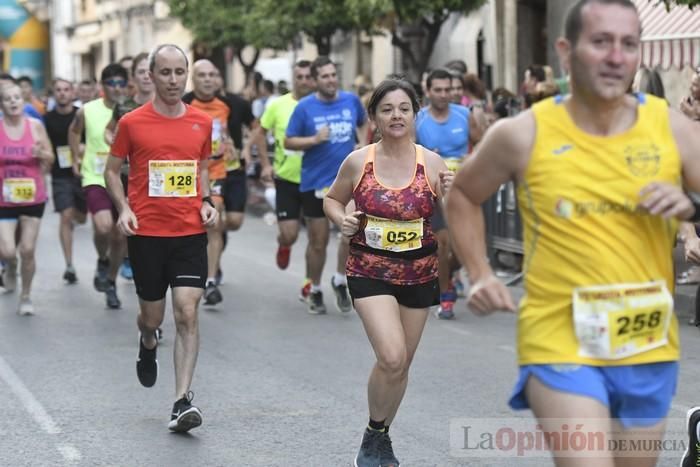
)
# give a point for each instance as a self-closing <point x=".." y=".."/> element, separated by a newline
<point x="637" y="395"/>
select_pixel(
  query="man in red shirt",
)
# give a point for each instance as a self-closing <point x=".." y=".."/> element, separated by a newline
<point x="168" y="208"/>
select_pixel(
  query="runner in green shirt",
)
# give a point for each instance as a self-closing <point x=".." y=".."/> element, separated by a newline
<point x="286" y="170"/>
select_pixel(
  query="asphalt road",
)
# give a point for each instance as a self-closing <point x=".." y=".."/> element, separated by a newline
<point x="277" y="387"/>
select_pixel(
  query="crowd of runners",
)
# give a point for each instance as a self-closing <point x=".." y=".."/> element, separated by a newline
<point x="602" y="166"/>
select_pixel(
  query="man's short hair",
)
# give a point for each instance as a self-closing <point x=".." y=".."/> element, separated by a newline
<point x="138" y="59"/>
<point x="302" y="64"/>
<point x="269" y="86"/>
<point x="112" y="70"/>
<point x="438" y="73"/>
<point x="7" y="77"/>
<point x="154" y="53"/>
<point x="25" y="79"/>
<point x="320" y="62"/>
<point x="457" y="65"/>
<point x="61" y="80"/>
<point x="574" y="18"/>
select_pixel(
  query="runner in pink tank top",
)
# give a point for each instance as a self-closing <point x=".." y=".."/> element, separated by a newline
<point x="25" y="156"/>
<point x="21" y="175"/>
<point x="392" y="267"/>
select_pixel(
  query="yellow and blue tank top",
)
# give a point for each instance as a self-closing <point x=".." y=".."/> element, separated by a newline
<point x="582" y="225"/>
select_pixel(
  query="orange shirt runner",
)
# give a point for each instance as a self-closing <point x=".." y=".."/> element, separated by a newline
<point x="219" y="112"/>
<point x="164" y="156"/>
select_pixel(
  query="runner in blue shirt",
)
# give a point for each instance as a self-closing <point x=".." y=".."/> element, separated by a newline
<point x="327" y="125"/>
<point x="449" y="130"/>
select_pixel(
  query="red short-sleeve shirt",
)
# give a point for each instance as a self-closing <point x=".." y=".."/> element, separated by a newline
<point x="145" y="136"/>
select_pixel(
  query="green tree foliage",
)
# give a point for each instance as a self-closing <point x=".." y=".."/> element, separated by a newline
<point x="414" y="25"/>
<point x="688" y="3"/>
<point x="317" y="19"/>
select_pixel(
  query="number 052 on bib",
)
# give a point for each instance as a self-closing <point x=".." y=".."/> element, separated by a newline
<point x="621" y="320"/>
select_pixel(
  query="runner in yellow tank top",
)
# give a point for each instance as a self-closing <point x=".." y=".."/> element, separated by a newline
<point x="89" y="165"/>
<point x="599" y="178"/>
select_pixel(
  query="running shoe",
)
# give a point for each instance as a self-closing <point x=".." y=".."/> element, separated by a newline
<point x="305" y="290"/>
<point x="212" y="295"/>
<point x="101" y="281"/>
<point x="147" y="365"/>
<point x="9" y="276"/>
<point x="446" y="310"/>
<point x="69" y="275"/>
<point x="691" y="458"/>
<point x="113" y="302"/>
<point x="283" y="253"/>
<point x="315" y="302"/>
<point x="125" y="270"/>
<point x="25" y="307"/>
<point x="368" y="456"/>
<point x="386" y="452"/>
<point x="458" y="286"/>
<point x="185" y="416"/>
<point x="342" y="297"/>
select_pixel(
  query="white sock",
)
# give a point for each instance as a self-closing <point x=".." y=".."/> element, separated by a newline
<point x="211" y="279"/>
<point x="339" y="279"/>
<point x="270" y="194"/>
<point x="315" y="287"/>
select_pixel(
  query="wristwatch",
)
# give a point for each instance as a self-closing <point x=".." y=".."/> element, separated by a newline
<point x="207" y="199"/>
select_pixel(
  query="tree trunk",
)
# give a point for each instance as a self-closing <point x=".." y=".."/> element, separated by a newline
<point x="323" y="44"/>
<point x="249" y="67"/>
<point x="416" y="42"/>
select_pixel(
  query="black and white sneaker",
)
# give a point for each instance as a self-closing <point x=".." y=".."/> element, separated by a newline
<point x="111" y="299"/>
<point x="343" y="302"/>
<point x="147" y="365"/>
<point x="185" y="416"/>
<point x="691" y="458"/>
<point x="212" y="294"/>
<point x="315" y="303"/>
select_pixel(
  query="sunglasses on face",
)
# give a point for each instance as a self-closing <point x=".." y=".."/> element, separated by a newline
<point x="114" y="83"/>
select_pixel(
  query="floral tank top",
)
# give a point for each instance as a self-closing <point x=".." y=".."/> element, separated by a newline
<point x="395" y="242"/>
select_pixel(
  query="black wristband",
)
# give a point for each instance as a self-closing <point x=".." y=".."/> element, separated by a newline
<point x="207" y="199"/>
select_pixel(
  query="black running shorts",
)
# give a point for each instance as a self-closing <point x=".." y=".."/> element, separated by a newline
<point x="14" y="213"/>
<point x="235" y="191"/>
<point x="67" y="193"/>
<point x="411" y="296"/>
<point x="312" y="205"/>
<point x="287" y="200"/>
<point x="159" y="262"/>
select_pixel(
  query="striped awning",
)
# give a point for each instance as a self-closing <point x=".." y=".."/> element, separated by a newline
<point x="670" y="39"/>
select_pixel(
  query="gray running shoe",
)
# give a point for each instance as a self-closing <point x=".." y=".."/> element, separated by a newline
<point x="113" y="302"/>
<point x="69" y="275"/>
<point x="315" y="302"/>
<point x="368" y="456"/>
<point x="25" y="307"/>
<point x="185" y="416"/>
<point x="9" y="276"/>
<point x="212" y="295"/>
<point x="101" y="281"/>
<point x="386" y="452"/>
<point x="342" y="297"/>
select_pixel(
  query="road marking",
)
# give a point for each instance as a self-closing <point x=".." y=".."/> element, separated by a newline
<point x="35" y="409"/>
<point x="506" y="348"/>
<point x="69" y="453"/>
<point x="681" y="407"/>
<point x="463" y="332"/>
